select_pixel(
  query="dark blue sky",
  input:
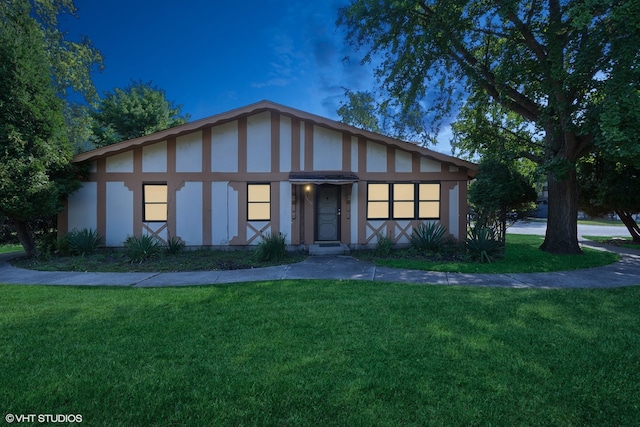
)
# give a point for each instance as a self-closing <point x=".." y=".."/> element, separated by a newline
<point x="213" y="56"/>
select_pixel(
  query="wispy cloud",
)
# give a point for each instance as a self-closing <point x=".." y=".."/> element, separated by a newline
<point x="284" y="61"/>
<point x="281" y="82"/>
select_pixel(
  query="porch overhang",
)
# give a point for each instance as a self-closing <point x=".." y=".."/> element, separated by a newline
<point x="302" y="178"/>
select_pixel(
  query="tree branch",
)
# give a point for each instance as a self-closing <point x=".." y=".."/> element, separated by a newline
<point x="538" y="49"/>
<point x="514" y="100"/>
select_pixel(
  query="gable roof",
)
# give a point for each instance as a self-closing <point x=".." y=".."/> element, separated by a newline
<point x="260" y="107"/>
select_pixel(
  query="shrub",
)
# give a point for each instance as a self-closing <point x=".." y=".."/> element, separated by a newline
<point x="430" y="237"/>
<point x="46" y="245"/>
<point x="62" y="245"/>
<point x="271" y="248"/>
<point x="483" y="243"/>
<point x="175" y="245"/>
<point x="81" y="242"/>
<point x="142" y="248"/>
<point x="384" y="245"/>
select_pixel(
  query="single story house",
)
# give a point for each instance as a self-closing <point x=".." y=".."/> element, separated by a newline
<point x="229" y="179"/>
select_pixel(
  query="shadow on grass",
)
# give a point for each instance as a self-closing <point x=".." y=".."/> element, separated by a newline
<point x="322" y="353"/>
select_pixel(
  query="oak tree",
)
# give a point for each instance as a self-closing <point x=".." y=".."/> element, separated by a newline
<point x="551" y="62"/>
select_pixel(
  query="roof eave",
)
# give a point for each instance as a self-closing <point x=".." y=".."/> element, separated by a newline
<point x="263" y="106"/>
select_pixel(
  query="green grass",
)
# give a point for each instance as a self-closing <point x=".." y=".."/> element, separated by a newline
<point x="521" y="256"/>
<point x="5" y="249"/>
<point x="327" y="353"/>
<point x="117" y="261"/>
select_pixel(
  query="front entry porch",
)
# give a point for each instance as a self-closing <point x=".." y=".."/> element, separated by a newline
<point x="324" y="208"/>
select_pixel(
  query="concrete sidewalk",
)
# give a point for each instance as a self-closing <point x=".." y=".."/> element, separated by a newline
<point x="626" y="272"/>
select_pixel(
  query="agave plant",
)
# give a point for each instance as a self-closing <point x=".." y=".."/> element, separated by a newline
<point x="142" y="248"/>
<point x="483" y="243"/>
<point x="83" y="242"/>
<point x="429" y="237"/>
<point x="175" y="245"/>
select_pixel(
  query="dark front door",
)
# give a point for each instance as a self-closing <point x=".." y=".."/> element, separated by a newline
<point x="328" y="213"/>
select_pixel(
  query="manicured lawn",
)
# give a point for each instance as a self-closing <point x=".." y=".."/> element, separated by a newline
<point x="4" y="249"/>
<point x="521" y="256"/>
<point x="322" y="353"/>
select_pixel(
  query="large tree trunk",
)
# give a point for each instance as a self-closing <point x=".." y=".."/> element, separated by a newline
<point x="630" y="223"/>
<point x="562" y="224"/>
<point x="25" y="235"/>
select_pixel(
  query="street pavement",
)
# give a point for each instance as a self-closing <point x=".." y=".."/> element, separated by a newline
<point x="626" y="272"/>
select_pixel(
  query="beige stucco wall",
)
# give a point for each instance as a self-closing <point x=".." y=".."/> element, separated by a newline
<point x="207" y="171"/>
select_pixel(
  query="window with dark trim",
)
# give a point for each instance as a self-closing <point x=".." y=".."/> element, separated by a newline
<point x="404" y="196"/>
<point x="403" y="200"/>
<point x="155" y="202"/>
<point x="429" y="201"/>
<point x="377" y="201"/>
<point x="258" y="202"/>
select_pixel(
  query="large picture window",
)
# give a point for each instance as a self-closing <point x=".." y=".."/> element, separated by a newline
<point x="403" y="201"/>
<point x="155" y="202"/>
<point x="258" y="202"/>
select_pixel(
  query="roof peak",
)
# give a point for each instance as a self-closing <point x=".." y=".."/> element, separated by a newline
<point x="256" y="108"/>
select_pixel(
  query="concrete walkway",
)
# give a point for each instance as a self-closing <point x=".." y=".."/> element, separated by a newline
<point x="626" y="272"/>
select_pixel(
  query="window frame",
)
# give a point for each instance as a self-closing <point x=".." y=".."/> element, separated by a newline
<point x="391" y="200"/>
<point x="413" y="200"/>
<point x="146" y="203"/>
<point x="249" y="202"/>
<point x="419" y="200"/>
<point x="388" y="200"/>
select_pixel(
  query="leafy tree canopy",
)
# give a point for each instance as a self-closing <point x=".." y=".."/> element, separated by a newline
<point x="35" y="172"/>
<point x="365" y="111"/>
<point x="565" y="68"/>
<point x="137" y="110"/>
<point x="72" y="63"/>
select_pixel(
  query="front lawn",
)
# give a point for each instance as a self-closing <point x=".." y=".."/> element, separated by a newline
<point x="9" y="248"/>
<point x="329" y="353"/>
<point x="521" y="256"/>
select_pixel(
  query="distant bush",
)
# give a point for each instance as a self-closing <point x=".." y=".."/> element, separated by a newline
<point x="271" y="248"/>
<point x="174" y="245"/>
<point x="142" y="248"/>
<point x="80" y="242"/>
<point x="384" y="245"/>
<point x="483" y="244"/>
<point x="430" y="237"/>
